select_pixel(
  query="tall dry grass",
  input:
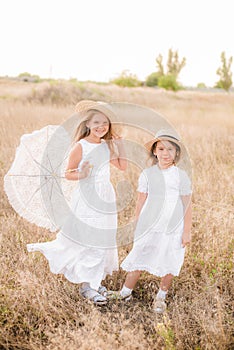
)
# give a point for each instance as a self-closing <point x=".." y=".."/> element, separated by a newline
<point x="40" y="310"/>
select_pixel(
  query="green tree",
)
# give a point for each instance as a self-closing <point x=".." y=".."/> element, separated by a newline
<point x="168" y="82"/>
<point x="152" y="79"/>
<point x="225" y="81"/>
<point x="174" y="65"/>
<point x="201" y="85"/>
<point x="159" y="64"/>
<point x="169" y="79"/>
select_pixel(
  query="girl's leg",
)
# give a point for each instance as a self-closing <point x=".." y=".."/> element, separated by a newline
<point x="166" y="282"/>
<point x="132" y="278"/>
<point x="130" y="282"/>
<point x="164" y="286"/>
<point x="159" y="304"/>
<point x="126" y="291"/>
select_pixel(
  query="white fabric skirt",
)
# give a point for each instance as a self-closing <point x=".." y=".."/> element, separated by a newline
<point x="157" y="253"/>
<point x="76" y="262"/>
<point x="85" y="248"/>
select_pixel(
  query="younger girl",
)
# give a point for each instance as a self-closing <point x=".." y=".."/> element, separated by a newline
<point x="85" y="248"/>
<point x="163" y="215"/>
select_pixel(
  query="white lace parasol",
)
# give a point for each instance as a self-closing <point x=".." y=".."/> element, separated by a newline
<point x="35" y="184"/>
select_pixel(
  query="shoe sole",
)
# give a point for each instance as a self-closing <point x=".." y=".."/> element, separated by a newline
<point x="112" y="296"/>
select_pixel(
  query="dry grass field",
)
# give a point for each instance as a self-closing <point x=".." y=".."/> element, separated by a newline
<point x="39" y="310"/>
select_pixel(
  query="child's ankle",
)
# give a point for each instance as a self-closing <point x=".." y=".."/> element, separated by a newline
<point x="125" y="291"/>
<point x="161" y="294"/>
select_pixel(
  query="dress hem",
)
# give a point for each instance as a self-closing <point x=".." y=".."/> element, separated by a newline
<point x="151" y="271"/>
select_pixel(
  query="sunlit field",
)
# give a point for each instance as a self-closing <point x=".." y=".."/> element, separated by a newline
<point x="39" y="310"/>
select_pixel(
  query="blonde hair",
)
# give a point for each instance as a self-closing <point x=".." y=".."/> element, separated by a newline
<point x="83" y="131"/>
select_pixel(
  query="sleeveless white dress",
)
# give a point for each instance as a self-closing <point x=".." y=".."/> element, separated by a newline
<point x="85" y="247"/>
<point x="157" y="246"/>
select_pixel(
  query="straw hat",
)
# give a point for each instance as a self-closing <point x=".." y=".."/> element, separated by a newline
<point x="167" y="135"/>
<point x="103" y="107"/>
<point x="163" y="135"/>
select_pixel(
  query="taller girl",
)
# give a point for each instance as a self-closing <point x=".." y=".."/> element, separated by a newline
<point x="85" y="248"/>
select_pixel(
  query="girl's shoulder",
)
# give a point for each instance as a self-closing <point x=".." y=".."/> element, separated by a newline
<point x="185" y="180"/>
<point x="147" y="172"/>
<point x="173" y="171"/>
<point x="153" y="169"/>
<point x="150" y="168"/>
<point x="84" y="141"/>
<point x="87" y="144"/>
<point x="80" y="142"/>
<point x="181" y="171"/>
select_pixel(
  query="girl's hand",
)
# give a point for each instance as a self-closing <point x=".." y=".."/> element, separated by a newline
<point x="116" y="138"/>
<point x="186" y="239"/>
<point x="118" y="154"/>
<point x="85" y="170"/>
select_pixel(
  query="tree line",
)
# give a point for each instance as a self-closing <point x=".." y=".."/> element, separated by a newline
<point x="169" y="78"/>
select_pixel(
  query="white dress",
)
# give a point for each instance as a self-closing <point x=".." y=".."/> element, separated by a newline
<point x="85" y="247"/>
<point x="157" y="246"/>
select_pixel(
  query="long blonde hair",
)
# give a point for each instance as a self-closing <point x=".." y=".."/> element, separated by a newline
<point x="83" y="131"/>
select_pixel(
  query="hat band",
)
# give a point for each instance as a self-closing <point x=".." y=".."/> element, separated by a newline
<point x="172" y="137"/>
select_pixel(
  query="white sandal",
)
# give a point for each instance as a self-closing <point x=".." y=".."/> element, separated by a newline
<point x="159" y="306"/>
<point x="93" y="295"/>
<point x="102" y="290"/>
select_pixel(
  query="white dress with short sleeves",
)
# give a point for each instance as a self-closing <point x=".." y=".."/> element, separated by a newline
<point x="85" y="247"/>
<point x="157" y="246"/>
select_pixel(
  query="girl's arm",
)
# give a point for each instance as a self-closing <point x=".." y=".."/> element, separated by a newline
<point x="119" y="161"/>
<point x="75" y="157"/>
<point x="187" y="204"/>
<point x="140" y="202"/>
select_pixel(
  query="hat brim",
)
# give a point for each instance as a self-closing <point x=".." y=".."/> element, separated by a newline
<point x="103" y="107"/>
<point x="149" y="144"/>
<point x="183" y="152"/>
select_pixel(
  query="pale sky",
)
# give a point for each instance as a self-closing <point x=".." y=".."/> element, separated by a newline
<point x="98" y="39"/>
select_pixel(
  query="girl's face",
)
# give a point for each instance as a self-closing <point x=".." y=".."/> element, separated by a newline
<point x="165" y="152"/>
<point x="99" y="125"/>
